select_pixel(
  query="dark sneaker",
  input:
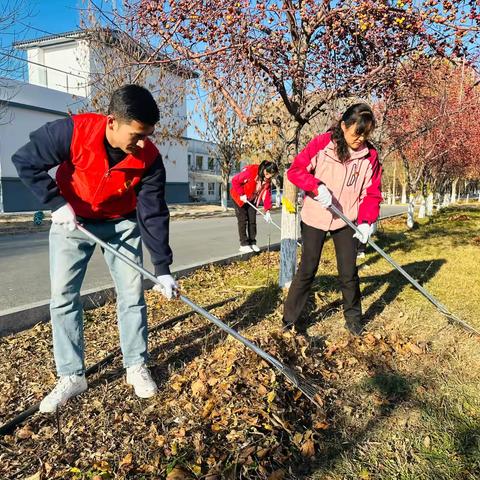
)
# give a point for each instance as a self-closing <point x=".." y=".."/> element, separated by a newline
<point x="354" y="325"/>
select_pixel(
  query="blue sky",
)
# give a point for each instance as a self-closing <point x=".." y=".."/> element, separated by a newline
<point x="58" y="16"/>
<point x="51" y="16"/>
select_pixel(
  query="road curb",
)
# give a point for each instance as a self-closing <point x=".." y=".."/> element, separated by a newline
<point x="16" y="320"/>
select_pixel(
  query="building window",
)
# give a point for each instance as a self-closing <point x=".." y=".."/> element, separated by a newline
<point x="199" y="162"/>
<point x="189" y="159"/>
<point x="211" y="164"/>
<point x="211" y="188"/>
<point x="199" y="188"/>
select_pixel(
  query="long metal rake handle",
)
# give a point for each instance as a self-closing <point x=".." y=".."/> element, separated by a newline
<point x="271" y="221"/>
<point x="421" y="289"/>
<point x="286" y="371"/>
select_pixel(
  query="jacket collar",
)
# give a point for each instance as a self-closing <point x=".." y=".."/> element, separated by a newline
<point x="354" y="154"/>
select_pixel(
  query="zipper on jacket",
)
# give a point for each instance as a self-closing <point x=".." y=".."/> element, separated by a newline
<point x="340" y="194"/>
<point x="100" y="185"/>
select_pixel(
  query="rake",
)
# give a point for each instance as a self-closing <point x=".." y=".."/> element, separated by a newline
<point x="271" y="221"/>
<point x="306" y="387"/>
<point x="441" y="308"/>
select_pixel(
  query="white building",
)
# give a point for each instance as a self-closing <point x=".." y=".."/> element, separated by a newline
<point x="29" y="107"/>
<point x="204" y="171"/>
<point x="60" y="68"/>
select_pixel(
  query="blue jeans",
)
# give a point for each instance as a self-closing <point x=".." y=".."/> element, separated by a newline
<point x="70" y="253"/>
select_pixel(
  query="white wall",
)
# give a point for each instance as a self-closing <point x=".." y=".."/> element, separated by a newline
<point x="66" y="67"/>
<point x="174" y="156"/>
<point x="23" y="117"/>
<point x="15" y="134"/>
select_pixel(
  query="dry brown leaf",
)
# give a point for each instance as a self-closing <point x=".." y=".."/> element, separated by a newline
<point x="414" y="348"/>
<point x="321" y="425"/>
<point x="216" y="427"/>
<point x="262" y="452"/>
<point x="308" y="448"/>
<point x="24" y="432"/>
<point x="127" y="460"/>
<point x="178" y="473"/>
<point x="198" y="387"/>
<point x="262" y="390"/>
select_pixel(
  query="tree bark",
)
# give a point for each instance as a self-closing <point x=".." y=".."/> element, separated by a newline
<point x="410" y="210"/>
<point x="288" y="245"/>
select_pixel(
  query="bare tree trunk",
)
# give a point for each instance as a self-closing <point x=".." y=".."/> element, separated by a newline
<point x="394" y="183"/>
<point x="404" y="193"/>
<point x="288" y="245"/>
<point x="429" y="210"/>
<point x="422" y="209"/>
<point x="453" y="198"/>
<point x="446" y="199"/>
<point x="410" y="210"/>
<point x="389" y="196"/>
<point x="224" y="194"/>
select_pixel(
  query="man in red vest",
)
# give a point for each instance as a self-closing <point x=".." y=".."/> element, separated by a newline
<point x="110" y="178"/>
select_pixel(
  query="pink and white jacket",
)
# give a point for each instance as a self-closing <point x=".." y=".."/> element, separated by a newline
<point x="355" y="184"/>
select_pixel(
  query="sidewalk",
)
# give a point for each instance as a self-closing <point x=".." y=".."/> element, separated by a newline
<point x="11" y="223"/>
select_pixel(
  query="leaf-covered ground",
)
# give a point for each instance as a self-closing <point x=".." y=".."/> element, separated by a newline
<point x="400" y="401"/>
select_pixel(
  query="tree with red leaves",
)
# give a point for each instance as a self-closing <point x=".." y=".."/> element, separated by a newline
<point x="431" y="127"/>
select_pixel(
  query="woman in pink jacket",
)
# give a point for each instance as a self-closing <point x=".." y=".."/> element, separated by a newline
<point x="339" y="167"/>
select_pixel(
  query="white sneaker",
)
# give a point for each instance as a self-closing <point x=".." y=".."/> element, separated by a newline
<point x="143" y="384"/>
<point x="67" y="387"/>
<point x="254" y="248"/>
<point x="361" y="255"/>
<point x="245" y="249"/>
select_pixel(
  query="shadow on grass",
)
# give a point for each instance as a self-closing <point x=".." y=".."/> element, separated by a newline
<point x="422" y="271"/>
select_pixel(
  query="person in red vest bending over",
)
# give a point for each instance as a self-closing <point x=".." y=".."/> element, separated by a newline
<point x="252" y="186"/>
<point x="340" y="167"/>
<point x="111" y="179"/>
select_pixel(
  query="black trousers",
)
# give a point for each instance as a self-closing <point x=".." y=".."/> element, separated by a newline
<point x="346" y="253"/>
<point x="247" y="224"/>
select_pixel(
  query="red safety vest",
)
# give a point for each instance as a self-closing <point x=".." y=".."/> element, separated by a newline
<point x="86" y="180"/>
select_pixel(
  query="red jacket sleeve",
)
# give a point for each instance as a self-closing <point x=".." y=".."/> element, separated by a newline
<point x="371" y="195"/>
<point x="239" y="179"/>
<point x="300" y="171"/>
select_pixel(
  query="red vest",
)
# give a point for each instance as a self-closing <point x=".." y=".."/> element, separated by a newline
<point x="86" y="180"/>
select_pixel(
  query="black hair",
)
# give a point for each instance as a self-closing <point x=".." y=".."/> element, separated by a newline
<point x="133" y="102"/>
<point x="268" y="167"/>
<point x="361" y="115"/>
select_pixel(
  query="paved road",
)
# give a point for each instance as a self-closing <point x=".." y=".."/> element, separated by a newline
<point x="24" y="277"/>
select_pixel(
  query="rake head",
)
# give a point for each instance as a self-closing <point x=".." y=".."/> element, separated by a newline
<point x="309" y="389"/>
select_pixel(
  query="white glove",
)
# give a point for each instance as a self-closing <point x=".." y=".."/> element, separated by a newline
<point x="324" y="197"/>
<point x="243" y="198"/>
<point x="365" y="231"/>
<point x="65" y="216"/>
<point x="267" y="217"/>
<point x="167" y="287"/>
